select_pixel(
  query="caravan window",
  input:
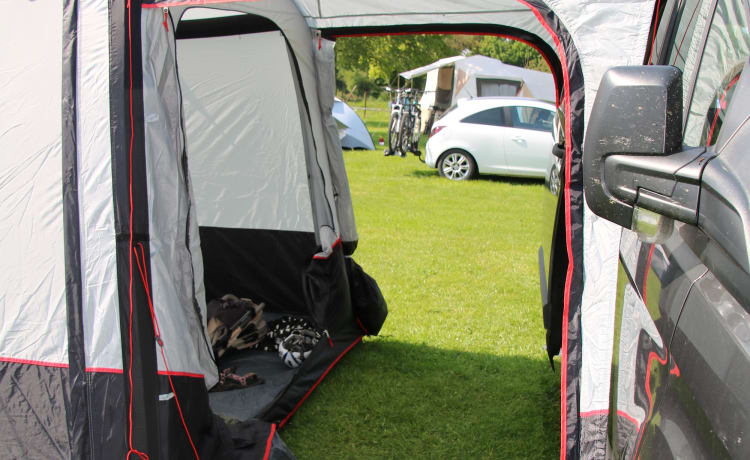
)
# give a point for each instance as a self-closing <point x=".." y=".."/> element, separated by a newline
<point x="497" y="87"/>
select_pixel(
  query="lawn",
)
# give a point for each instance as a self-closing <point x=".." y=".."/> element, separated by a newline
<point x="459" y="369"/>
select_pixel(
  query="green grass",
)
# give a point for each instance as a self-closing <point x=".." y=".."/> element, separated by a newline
<point x="459" y="370"/>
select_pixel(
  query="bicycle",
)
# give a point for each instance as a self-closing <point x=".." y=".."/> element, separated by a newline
<point x="416" y="110"/>
<point x="394" y="124"/>
<point x="405" y="122"/>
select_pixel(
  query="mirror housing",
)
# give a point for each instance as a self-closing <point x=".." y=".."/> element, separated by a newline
<point x="636" y="118"/>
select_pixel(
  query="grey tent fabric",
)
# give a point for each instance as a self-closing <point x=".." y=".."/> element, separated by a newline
<point x="284" y="14"/>
<point x="176" y="262"/>
<point x="325" y="63"/>
<point x="255" y="108"/>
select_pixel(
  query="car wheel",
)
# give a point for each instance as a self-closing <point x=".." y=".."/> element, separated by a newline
<point x="554" y="180"/>
<point x="457" y="165"/>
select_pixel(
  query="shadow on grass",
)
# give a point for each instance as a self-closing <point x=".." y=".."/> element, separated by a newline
<point x="390" y="399"/>
<point x="430" y="172"/>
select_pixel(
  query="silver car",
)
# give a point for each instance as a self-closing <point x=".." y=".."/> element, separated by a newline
<point x="508" y="136"/>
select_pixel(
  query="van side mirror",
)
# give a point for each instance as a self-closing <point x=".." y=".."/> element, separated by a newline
<point x="633" y="148"/>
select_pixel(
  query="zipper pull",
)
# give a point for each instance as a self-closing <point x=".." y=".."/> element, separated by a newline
<point x="330" y="342"/>
<point x="166" y="16"/>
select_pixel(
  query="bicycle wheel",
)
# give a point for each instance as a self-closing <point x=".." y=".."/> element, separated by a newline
<point x="393" y="143"/>
<point x="404" y="134"/>
<point x="416" y="132"/>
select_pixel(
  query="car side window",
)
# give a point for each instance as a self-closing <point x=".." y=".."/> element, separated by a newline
<point x="491" y="117"/>
<point x="531" y="118"/>
<point x="726" y="51"/>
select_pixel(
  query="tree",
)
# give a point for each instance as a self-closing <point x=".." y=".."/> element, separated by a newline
<point x="379" y="59"/>
<point x="512" y="52"/>
<point x="384" y="57"/>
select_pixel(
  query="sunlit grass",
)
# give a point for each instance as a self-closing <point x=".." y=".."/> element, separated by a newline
<point x="459" y="370"/>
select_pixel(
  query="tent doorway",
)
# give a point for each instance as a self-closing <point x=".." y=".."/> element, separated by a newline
<point x="253" y="173"/>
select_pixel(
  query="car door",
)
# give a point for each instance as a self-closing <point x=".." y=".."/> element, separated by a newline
<point x="681" y="357"/>
<point x="481" y="135"/>
<point x="528" y="140"/>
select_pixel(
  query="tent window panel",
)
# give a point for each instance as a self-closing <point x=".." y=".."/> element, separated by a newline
<point x="244" y="135"/>
<point x="497" y="87"/>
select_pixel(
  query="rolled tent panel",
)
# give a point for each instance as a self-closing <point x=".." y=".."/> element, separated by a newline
<point x="253" y="175"/>
<point x="97" y="226"/>
<point x="32" y="268"/>
<point x="180" y="310"/>
<point x="329" y="14"/>
<point x="624" y="43"/>
<point x="325" y="60"/>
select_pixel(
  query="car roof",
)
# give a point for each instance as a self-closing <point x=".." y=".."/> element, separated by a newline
<point x="499" y="101"/>
<point x="465" y="107"/>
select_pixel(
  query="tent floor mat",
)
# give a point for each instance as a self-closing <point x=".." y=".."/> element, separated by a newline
<point x="246" y="403"/>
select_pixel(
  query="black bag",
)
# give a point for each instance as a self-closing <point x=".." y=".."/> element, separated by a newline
<point x="367" y="301"/>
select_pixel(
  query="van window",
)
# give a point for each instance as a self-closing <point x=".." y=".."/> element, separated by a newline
<point x="726" y="51"/>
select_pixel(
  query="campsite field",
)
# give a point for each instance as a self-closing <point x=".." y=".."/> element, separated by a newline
<point x="459" y="370"/>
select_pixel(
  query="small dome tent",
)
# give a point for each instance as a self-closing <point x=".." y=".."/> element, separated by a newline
<point x="127" y="203"/>
<point x="352" y="130"/>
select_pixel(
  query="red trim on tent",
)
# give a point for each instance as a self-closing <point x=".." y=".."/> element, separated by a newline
<point x="630" y="417"/>
<point x="320" y="379"/>
<point x="568" y="237"/>
<point x="191" y="2"/>
<point x="104" y="370"/>
<point x="595" y="412"/>
<point x="269" y="442"/>
<point x="362" y="326"/>
<point x="663" y="361"/>
<point x="110" y="370"/>
<point x="101" y="370"/>
<point x="32" y="362"/>
<point x="333" y="246"/>
<point x="606" y="412"/>
<point x="675" y="370"/>
<point x="181" y="374"/>
<point x="656" y="27"/>
<point x="722" y="106"/>
<point x="453" y="32"/>
<point x="141" y="261"/>
<point x="131" y="449"/>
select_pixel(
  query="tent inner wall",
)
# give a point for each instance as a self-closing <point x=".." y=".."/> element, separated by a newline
<point x="248" y="139"/>
<point x="247" y="166"/>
